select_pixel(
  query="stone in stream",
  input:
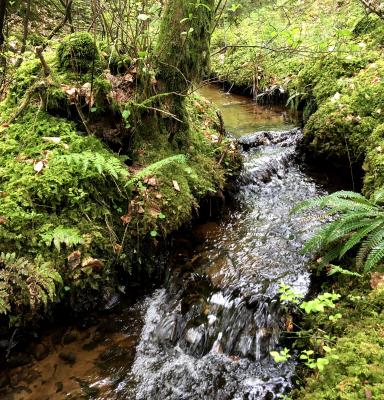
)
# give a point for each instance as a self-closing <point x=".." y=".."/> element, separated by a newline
<point x="68" y="357"/>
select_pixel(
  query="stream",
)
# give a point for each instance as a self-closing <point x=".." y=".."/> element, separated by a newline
<point x="207" y="333"/>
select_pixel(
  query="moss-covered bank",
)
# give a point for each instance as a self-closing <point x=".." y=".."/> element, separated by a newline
<point x="78" y="219"/>
<point x="327" y="58"/>
<point x="356" y="363"/>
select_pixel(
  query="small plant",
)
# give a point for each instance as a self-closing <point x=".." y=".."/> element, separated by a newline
<point x="357" y="221"/>
<point x="320" y="303"/>
<point x="280" y="356"/>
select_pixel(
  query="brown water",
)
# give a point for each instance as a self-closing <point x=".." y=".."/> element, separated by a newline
<point x="242" y="115"/>
<point x="207" y="333"/>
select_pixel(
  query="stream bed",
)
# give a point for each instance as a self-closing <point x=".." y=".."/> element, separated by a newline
<point x="207" y="333"/>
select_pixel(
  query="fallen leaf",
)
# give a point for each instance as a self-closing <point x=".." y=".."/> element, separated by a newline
<point x="176" y="186"/>
<point x="158" y="196"/>
<point x="38" y="166"/>
<point x="55" y="140"/>
<point x="74" y="259"/>
<point x="118" y="248"/>
<point x="150" y="181"/>
<point x="377" y="279"/>
<point x="126" y="218"/>
<point x="3" y="220"/>
<point x="141" y="210"/>
<point x="94" y="263"/>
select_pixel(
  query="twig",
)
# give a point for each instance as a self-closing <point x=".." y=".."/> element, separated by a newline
<point x="83" y="119"/>
<point x="39" y="53"/>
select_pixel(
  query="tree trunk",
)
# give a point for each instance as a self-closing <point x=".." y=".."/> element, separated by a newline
<point x="3" y="11"/>
<point x="182" y="54"/>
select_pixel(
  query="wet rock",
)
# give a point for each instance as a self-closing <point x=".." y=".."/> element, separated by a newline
<point x="40" y="351"/>
<point x="19" y="360"/>
<point x="4" y="379"/>
<point x="70" y="337"/>
<point x="69" y="358"/>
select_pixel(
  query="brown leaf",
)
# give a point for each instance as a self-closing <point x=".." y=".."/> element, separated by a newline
<point x="158" y="196"/>
<point x="141" y="210"/>
<point x="118" y="248"/>
<point x="151" y="181"/>
<point x="126" y="218"/>
<point x="377" y="279"/>
<point x="74" y="259"/>
<point x="3" y="220"/>
<point x="176" y="186"/>
<point x="94" y="263"/>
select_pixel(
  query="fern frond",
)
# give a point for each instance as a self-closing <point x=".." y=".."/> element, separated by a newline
<point x="372" y="241"/>
<point x="359" y="236"/>
<point x="374" y="257"/>
<point x="152" y="168"/>
<point x="62" y="235"/>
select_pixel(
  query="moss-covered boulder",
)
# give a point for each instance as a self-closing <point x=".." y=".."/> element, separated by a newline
<point x="342" y="126"/>
<point x="77" y="52"/>
<point x="374" y="162"/>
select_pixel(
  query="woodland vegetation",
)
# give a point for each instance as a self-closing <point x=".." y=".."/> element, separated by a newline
<point x="106" y="149"/>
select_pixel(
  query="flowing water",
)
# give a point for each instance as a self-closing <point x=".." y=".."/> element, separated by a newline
<point x="208" y="332"/>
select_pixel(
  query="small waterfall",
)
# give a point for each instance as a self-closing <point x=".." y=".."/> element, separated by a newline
<point x="209" y="334"/>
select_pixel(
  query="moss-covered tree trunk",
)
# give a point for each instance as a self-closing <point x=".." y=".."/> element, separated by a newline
<point x="182" y="54"/>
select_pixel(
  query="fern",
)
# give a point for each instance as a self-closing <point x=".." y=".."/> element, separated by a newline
<point x="357" y="221"/>
<point x="103" y="164"/>
<point x="152" y="168"/>
<point x="24" y="283"/>
<point x="62" y="235"/>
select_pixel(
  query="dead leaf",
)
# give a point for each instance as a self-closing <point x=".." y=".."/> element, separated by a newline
<point x="118" y="248"/>
<point x="377" y="279"/>
<point x="176" y="186"/>
<point x="55" y="140"/>
<point x="158" y="196"/>
<point x="141" y="210"/>
<point x="126" y="218"/>
<point x="151" y="181"/>
<point x="74" y="259"/>
<point x="93" y="263"/>
<point x="38" y="166"/>
<point x="3" y="220"/>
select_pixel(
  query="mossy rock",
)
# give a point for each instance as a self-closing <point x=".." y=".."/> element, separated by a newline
<point x="78" y="52"/>
<point x="342" y="126"/>
<point x="374" y="162"/>
<point x="357" y="369"/>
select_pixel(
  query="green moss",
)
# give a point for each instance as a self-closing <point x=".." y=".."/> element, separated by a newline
<point x="25" y="76"/>
<point x="345" y="122"/>
<point x="358" y="368"/>
<point x="374" y="162"/>
<point x="77" y="53"/>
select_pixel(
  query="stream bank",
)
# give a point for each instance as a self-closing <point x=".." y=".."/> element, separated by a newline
<point x="209" y="329"/>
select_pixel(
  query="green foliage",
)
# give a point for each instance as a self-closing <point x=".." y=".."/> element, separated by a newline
<point x="26" y="285"/>
<point x="95" y="163"/>
<point x="356" y="364"/>
<point x="321" y="302"/>
<point x="62" y="235"/>
<point x="358" y="222"/>
<point x="77" y="52"/>
<point x="280" y="356"/>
